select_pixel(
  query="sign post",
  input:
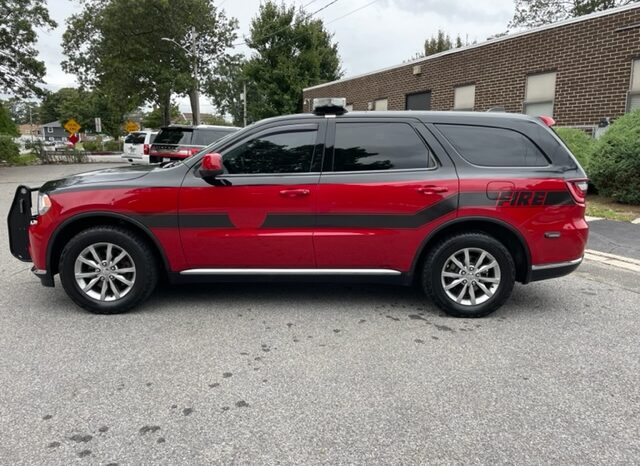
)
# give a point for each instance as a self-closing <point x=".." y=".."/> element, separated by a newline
<point x="98" y="125"/>
<point x="72" y="127"/>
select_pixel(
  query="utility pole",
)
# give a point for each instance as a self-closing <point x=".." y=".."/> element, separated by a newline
<point x="244" y="103"/>
<point x="196" y="88"/>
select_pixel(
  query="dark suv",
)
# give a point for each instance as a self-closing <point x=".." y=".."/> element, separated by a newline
<point x="461" y="204"/>
<point x="177" y="142"/>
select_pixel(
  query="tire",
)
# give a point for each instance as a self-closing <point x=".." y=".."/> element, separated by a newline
<point x="485" y="291"/>
<point x="138" y="267"/>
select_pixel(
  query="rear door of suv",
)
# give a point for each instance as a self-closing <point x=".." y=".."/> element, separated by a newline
<point x="386" y="183"/>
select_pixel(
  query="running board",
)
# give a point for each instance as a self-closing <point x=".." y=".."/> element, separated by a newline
<point x="361" y="272"/>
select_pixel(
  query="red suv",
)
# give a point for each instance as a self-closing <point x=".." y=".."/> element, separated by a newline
<point x="461" y="204"/>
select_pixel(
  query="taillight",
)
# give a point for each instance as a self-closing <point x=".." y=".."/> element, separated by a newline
<point x="195" y="150"/>
<point x="547" y="120"/>
<point x="145" y="149"/>
<point x="578" y="189"/>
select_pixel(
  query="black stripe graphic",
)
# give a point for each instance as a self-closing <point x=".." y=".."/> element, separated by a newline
<point x="347" y="220"/>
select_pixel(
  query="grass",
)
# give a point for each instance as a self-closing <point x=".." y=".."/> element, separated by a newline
<point x="598" y="206"/>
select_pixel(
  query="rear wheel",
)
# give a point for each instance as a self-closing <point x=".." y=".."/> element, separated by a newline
<point x="469" y="275"/>
<point x="108" y="270"/>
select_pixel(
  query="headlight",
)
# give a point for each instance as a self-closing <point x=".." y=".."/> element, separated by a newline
<point x="44" y="203"/>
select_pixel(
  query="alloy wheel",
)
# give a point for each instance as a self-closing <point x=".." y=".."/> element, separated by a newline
<point x="470" y="276"/>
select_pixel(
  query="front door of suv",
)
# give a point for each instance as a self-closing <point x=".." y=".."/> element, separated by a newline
<point x="386" y="184"/>
<point x="233" y="220"/>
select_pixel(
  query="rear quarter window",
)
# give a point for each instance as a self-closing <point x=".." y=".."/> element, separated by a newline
<point x="135" y="138"/>
<point x="493" y="147"/>
<point x="204" y="137"/>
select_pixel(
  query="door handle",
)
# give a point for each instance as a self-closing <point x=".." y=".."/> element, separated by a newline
<point x="431" y="189"/>
<point x="294" y="192"/>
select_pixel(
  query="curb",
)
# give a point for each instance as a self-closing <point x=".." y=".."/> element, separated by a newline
<point x="613" y="260"/>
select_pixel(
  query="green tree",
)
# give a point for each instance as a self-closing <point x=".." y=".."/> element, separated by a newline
<point x="438" y="43"/>
<point x="226" y="86"/>
<point x="290" y="51"/>
<point x="153" y="119"/>
<point x="21" y="72"/>
<point x="7" y="125"/>
<point x="117" y="46"/>
<point x="532" y="13"/>
<point x="215" y="120"/>
<point x="22" y="111"/>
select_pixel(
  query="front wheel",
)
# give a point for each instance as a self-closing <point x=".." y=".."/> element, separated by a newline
<point x="108" y="269"/>
<point x="469" y="275"/>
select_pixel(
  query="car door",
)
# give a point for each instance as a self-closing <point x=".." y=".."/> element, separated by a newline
<point x="386" y="184"/>
<point x="234" y="221"/>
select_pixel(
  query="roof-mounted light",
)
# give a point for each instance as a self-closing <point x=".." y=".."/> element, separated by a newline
<point x="330" y="106"/>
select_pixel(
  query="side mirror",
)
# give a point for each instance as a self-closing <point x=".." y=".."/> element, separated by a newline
<point x="211" y="165"/>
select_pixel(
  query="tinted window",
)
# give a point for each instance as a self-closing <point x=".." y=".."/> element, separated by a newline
<point x="493" y="147"/>
<point x="204" y="137"/>
<point x="378" y="146"/>
<point x="285" y="152"/>
<point x="135" y="138"/>
<point x="173" y="136"/>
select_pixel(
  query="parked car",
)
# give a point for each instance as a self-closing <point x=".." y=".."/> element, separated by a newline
<point x="461" y="204"/>
<point x="135" y="149"/>
<point x="177" y="142"/>
<point x="57" y="145"/>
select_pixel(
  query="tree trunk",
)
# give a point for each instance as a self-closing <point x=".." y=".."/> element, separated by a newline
<point x="165" y="106"/>
<point x="194" y="99"/>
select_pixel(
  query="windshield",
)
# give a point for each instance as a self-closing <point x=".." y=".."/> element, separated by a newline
<point x="174" y="136"/>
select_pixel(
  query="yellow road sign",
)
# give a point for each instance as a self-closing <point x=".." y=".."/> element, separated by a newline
<point x="131" y="126"/>
<point x="72" y="126"/>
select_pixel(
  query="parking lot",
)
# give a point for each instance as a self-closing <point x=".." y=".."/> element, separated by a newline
<point x="317" y="374"/>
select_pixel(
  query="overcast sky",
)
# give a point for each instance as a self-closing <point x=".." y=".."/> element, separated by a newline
<point x="382" y="34"/>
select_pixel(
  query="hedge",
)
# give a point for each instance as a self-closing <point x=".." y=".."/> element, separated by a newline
<point x="615" y="162"/>
<point x="9" y="150"/>
<point x="580" y="143"/>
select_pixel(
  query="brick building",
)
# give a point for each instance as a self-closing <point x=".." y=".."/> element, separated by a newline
<point x="580" y="71"/>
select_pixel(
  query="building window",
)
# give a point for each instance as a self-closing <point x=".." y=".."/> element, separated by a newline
<point x="418" y="101"/>
<point x="634" y="92"/>
<point x="464" y="97"/>
<point x="539" y="94"/>
<point x="49" y="129"/>
<point x="380" y="104"/>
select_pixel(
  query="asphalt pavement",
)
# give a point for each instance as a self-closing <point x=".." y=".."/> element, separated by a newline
<point x="318" y="374"/>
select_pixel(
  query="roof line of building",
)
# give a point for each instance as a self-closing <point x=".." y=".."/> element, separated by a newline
<point x="545" y="27"/>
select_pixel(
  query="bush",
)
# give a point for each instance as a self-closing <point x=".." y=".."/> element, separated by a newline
<point x="113" y="146"/>
<point x="9" y="150"/>
<point x="90" y="145"/>
<point x="615" y="162"/>
<point x="580" y="143"/>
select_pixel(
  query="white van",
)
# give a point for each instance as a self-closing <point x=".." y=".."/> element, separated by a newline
<point x="136" y="147"/>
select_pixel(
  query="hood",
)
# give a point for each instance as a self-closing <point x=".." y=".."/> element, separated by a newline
<point x="98" y="177"/>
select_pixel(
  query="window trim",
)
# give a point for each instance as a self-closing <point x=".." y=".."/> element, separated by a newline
<point x="49" y="129"/>
<point x="299" y="127"/>
<point x="378" y="100"/>
<point x="330" y="150"/>
<point x="526" y="102"/>
<point x="492" y="167"/>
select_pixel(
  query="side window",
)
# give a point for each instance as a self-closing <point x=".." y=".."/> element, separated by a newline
<point x="282" y="152"/>
<point x="379" y="146"/>
<point x="493" y="147"/>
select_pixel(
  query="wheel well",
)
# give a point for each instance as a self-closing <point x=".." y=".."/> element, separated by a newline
<point x="75" y="226"/>
<point x="508" y="237"/>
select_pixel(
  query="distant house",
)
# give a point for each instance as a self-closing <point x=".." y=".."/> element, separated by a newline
<point x="52" y="132"/>
<point x="28" y="129"/>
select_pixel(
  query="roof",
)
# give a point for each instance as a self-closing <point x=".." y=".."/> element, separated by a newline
<point x="191" y="128"/>
<point x="546" y="27"/>
<point x="53" y="124"/>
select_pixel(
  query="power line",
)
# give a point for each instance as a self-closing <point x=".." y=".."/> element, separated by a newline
<point x="287" y="26"/>
<point x="351" y="12"/>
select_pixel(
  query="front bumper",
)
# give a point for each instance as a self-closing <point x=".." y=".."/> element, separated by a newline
<point x="555" y="270"/>
<point x="18" y="222"/>
<point x="45" y="277"/>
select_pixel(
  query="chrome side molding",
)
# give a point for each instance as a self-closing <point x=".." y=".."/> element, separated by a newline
<point x="256" y="271"/>
<point x="556" y="265"/>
